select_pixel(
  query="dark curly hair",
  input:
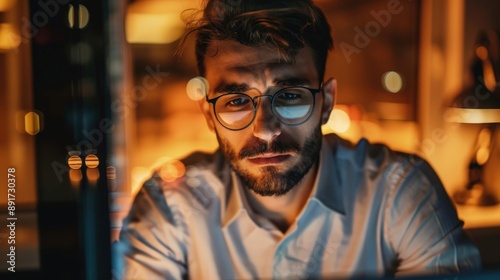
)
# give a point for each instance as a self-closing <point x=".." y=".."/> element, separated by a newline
<point x="285" y="25"/>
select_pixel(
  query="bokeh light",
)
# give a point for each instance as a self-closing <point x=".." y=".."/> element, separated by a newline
<point x="91" y="161"/>
<point x="172" y="170"/>
<point x="392" y="81"/>
<point x="339" y="120"/>
<point x="75" y="162"/>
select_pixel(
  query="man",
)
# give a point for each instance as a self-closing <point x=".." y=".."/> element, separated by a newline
<point x="279" y="200"/>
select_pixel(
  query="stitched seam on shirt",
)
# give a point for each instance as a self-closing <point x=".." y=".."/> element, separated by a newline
<point x="400" y="166"/>
<point x="415" y="169"/>
<point x="434" y="217"/>
<point x="441" y="228"/>
<point x="444" y="235"/>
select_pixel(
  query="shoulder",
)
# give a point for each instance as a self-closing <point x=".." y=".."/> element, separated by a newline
<point x="406" y="182"/>
<point x="391" y="177"/>
<point x="198" y="188"/>
<point x="374" y="157"/>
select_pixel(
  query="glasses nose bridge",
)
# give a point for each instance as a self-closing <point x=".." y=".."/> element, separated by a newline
<point x="264" y="110"/>
<point x="256" y="104"/>
<point x="266" y="114"/>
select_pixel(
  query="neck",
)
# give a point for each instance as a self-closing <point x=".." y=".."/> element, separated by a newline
<point x="283" y="210"/>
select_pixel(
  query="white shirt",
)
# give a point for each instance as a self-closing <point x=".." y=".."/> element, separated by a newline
<point x="372" y="212"/>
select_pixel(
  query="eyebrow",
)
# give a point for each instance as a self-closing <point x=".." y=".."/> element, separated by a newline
<point x="292" y="82"/>
<point x="235" y="87"/>
<point x="232" y="87"/>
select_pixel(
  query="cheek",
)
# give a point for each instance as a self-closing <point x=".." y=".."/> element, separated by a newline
<point x="298" y="134"/>
<point x="235" y="139"/>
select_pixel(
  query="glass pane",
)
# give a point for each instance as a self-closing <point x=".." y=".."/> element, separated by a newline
<point x="20" y="124"/>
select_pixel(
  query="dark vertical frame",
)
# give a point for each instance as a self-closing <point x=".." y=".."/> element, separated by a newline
<point x="70" y="84"/>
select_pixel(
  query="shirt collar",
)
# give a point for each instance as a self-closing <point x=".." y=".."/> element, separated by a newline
<point x="236" y="201"/>
<point x="327" y="188"/>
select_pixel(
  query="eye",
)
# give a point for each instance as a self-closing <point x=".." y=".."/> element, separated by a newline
<point x="289" y="96"/>
<point x="236" y="102"/>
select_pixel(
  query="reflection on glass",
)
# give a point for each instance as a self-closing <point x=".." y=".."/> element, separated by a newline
<point x="293" y="112"/>
<point x="232" y="118"/>
<point x="83" y="16"/>
<point x="75" y="177"/>
<point x="111" y="172"/>
<point x="91" y="161"/>
<point x="32" y="123"/>
<point x="92" y="176"/>
<point x="75" y="162"/>
<point x="71" y="16"/>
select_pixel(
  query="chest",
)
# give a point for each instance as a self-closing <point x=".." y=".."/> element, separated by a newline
<point x="323" y="244"/>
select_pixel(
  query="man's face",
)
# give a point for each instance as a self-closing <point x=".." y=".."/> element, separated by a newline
<point x="269" y="157"/>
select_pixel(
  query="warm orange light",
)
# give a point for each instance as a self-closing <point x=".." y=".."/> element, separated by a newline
<point x="83" y="16"/>
<point x="476" y="216"/>
<point x="91" y="161"/>
<point x="462" y="115"/>
<point x="339" y="121"/>
<point x="9" y="37"/>
<point x="75" y="162"/>
<point x="32" y="123"/>
<point x="156" y="21"/>
<point x="71" y="16"/>
<point x="172" y="170"/>
<point x="139" y="175"/>
<point x="5" y="5"/>
<point x="75" y="177"/>
<point x="111" y="172"/>
<point x="482" y="52"/>
<point x="92" y="176"/>
<point x="153" y="29"/>
<point x="197" y="88"/>
<point x="392" y="81"/>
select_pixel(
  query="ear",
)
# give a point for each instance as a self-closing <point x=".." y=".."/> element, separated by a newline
<point x="329" y="92"/>
<point x="197" y="89"/>
<point x="206" y="110"/>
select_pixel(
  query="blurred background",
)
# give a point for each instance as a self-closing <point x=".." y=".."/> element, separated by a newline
<point x="93" y="98"/>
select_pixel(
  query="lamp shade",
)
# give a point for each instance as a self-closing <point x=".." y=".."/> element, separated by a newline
<point x="480" y="102"/>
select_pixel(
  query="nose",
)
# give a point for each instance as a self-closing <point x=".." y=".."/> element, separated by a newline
<point x="265" y="125"/>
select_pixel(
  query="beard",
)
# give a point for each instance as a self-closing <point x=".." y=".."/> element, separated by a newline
<point x="272" y="181"/>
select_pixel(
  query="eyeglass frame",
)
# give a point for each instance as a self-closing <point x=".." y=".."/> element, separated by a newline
<point x="313" y="91"/>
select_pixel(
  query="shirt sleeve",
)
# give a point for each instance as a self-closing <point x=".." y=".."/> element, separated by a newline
<point x="152" y="242"/>
<point x="423" y="227"/>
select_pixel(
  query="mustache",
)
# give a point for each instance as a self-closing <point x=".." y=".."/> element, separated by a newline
<point x="258" y="147"/>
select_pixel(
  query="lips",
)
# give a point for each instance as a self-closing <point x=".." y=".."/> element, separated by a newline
<point x="269" y="159"/>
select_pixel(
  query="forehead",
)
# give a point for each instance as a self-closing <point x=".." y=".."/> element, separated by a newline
<point x="230" y="61"/>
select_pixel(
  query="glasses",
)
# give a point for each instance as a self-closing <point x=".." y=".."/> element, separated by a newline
<point x="290" y="105"/>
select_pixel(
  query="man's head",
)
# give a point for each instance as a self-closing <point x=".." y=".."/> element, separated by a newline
<point x="270" y="136"/>
<point x="284" y="25"/>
